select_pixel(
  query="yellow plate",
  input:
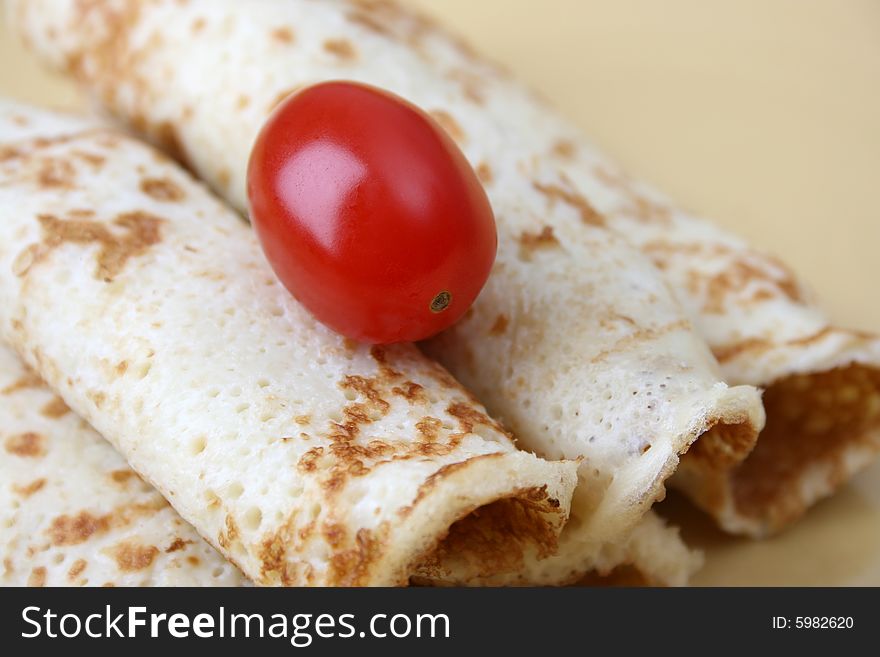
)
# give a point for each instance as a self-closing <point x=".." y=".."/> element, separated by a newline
<point x="762" y="114"/>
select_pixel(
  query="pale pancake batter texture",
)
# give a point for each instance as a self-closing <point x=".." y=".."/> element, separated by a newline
<point x="72" y="513"/>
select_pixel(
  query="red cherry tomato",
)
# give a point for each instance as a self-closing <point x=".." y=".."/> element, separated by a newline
<point x="369" y="213"/>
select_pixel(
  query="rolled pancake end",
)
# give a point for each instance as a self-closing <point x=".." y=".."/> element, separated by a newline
<point x="822" y="401"/>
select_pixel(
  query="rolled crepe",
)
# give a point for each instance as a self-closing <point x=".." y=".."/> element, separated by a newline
<point x="302" y="457"/>
<point x="576" y="341"/>
<point x="197" y="78"/>
<point x="72" y="513"/>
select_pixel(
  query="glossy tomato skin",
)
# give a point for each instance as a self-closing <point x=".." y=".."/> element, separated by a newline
<point x="367" y="211"/>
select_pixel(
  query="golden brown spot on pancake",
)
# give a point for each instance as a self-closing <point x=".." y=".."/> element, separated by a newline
<point x="193" y="560"/>
<point x="177" y="544"/>
<point x="29" y="489"/>
<point x="351" y="567"/>
<point x="26" y="445"/>
<point x="272" y="555"/>
<point x="242" y="101"/>
<point x="29" y="379"/>
<point x="341" y="48"/>
<point x="303" y="419"/>
<point x="471" y="85"/>
<point x="76" y="569"/>
<point x="37" y="577"/>
<point x="23" y="262"/>
<point x="449" y="124"/>
<point x="131" y="556"/>
<point x="379" y="354"/>
<point x="212" y="500"/>
<point x="612" y="178"/>
<point x="121" y="367"/>
<point x="20" y="120"/>
<point x="9" y="153"/>
<point x="142" y="230"/>
<point x="308" y="462"/>
<point x="725" y="353"/>
<point x="197" y="25"/>
<point x="736" y="277"/>
<point x="762" y="295"/>
<point x="98" y="398"/>
<point x="614" y="319"/>
<point x="647" y="211"/>
<point x="564" y="148"/>
<point x="368" y="388"/>
<point x="468" y="417"/>
<point x="429" y="429"/>
<point x="529" y="242"/>
<point x="812" y="420"/>
<point x="122" y="477"/>
<point x="230" y="534"/>
<point x="661" y="250"/>
<point x="641" y="335"/>
<point x="55" y="408"/>
<point x="224" y="177"/>
<point x="368" y="22"/>
<point x="354" y="416"/>
<point x="162" y="189"/>
<point x="169" y="139"/>
<point x="93" y="159"/>
<point x="282" y="34"/>
<point x="499" y="327"/>
<point x="140" y="124"/>
<point x="411" y="391"/>
<point x="739" y="275"/>
<point x="46" y="142"/>
<point x="347" y="456"/>
<point x="56" y="173"/>
<point x="334" y="533"/>
<point x="484" y="173"/>
<point x="73" y="530"/>
<point x="8" y="567"/>
<point x="555" y="193"/>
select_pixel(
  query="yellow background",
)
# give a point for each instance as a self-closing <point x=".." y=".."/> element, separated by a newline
<point x="761" y="114"/>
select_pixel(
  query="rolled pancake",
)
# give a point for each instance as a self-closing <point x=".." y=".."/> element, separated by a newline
<point x="766" y="328"/>
<point x="72" y="513"/>
<point x="302" y="457"/>
<point x="576" y="341"/>
<point x="823" y="383"/>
